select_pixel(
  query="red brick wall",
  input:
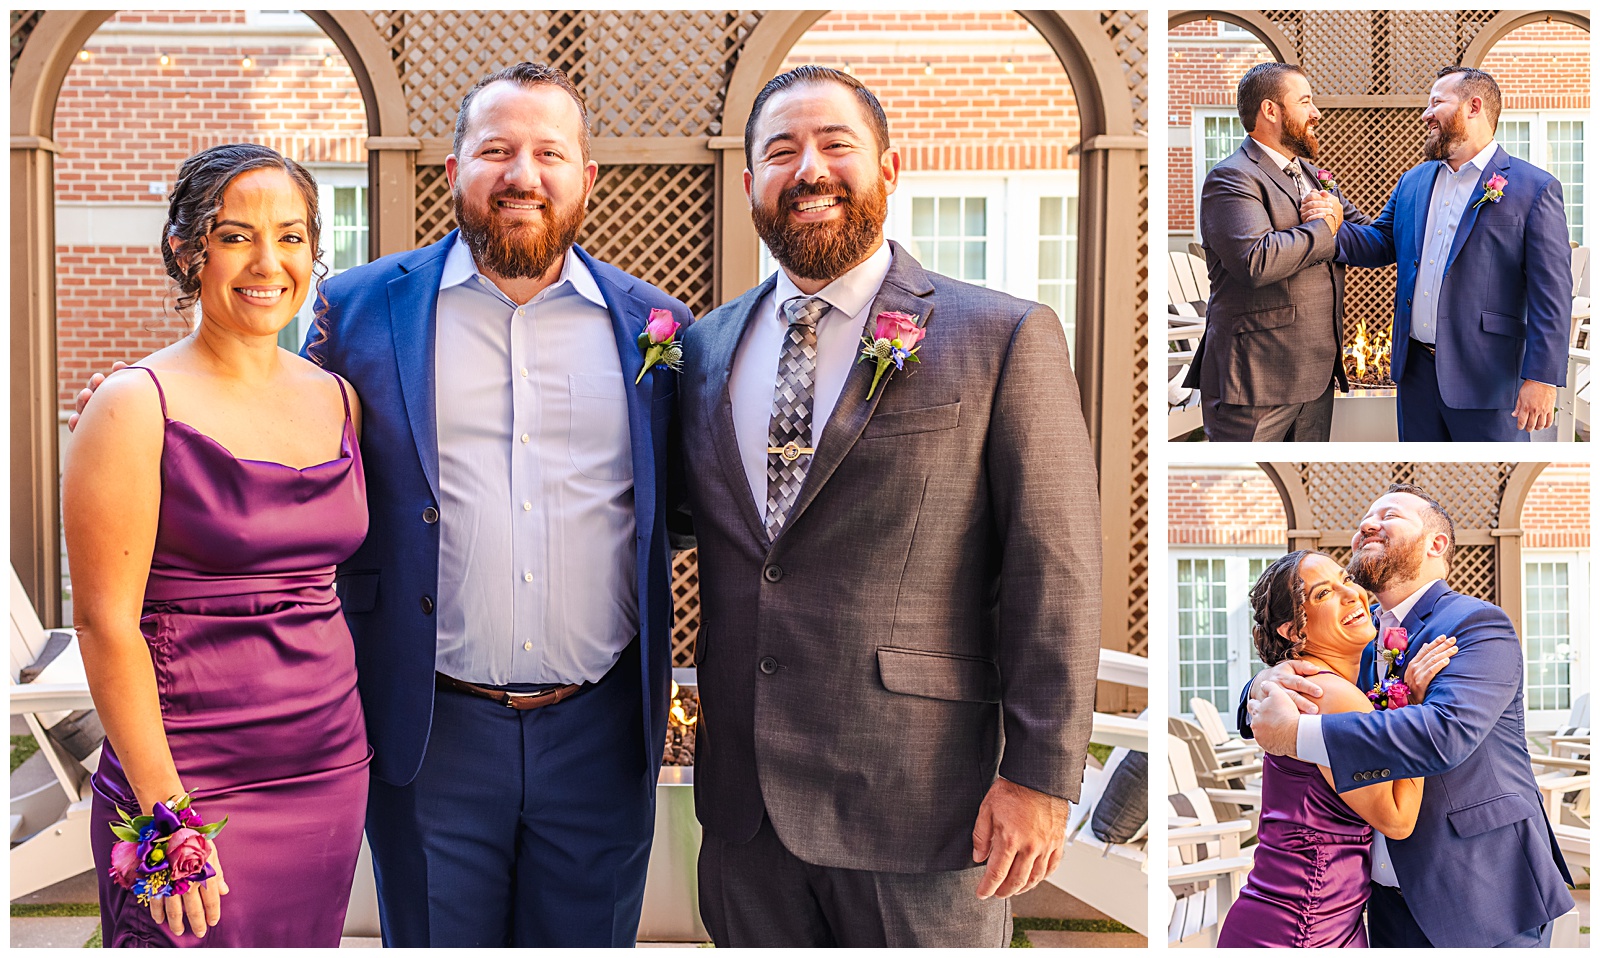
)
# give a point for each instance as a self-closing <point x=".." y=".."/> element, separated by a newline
<point x="1531" y="73"/>
<point x="972" y="113"/>
<point x="123" y="121"/>
<point x="1209" y="505"/>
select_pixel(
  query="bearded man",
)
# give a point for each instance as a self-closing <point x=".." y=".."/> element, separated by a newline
<point x="1483" y="289"/>
<point x="1481" y="868"/>
<point x="1270" y="359"/>
<point x="899" y="565"/>
<point x="511" y="605"/>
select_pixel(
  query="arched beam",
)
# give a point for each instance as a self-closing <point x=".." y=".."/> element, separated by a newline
<point x="1508" y="540"/>
<point x="1281" y="45"/>
<point x="1297" y="511"/>
<point x="1507" y="20"/>
<point x="1099" y="86"/>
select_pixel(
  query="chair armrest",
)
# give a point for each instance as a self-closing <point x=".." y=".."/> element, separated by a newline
<point x="1120" y="731"/>
<point x="1193" y="834"/>
<point x="1235" y="796"/>
<point x="1236" y="771"/>
<point x="1208" y="868"/>
<point x="49" y="698"/>
<point x="1558" y="761"/>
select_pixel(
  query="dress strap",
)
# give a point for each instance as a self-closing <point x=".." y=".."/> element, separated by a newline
<point x="159" y="393"/>
<point x="343" y="394"/>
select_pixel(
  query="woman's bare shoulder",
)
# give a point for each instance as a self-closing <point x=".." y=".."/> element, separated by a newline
<point x="1339" y="694"/>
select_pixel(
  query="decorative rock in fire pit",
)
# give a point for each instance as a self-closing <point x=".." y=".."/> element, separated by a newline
<point x="681" y="721"/>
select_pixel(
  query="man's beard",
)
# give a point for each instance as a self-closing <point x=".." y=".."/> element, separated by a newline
<point x="1399" y="561"/>
<point x="1301" y="140"/>
<point x="823" y="250"/>
<point x="517" y="250"/>
<point x="1444" y="139"/>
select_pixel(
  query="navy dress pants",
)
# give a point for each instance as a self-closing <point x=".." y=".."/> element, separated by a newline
<point x="1425" y="418"/>
<point x="523" y="828"/>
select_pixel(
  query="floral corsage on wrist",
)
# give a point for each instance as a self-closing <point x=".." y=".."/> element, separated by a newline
<point x="894" y="341"/>
<point x="1391" y="691"/>
<point x="162" y="853"/>
<point x="1494" y="190"/>
<point x="1325" y="180"/>
<point x="659" y="344"/>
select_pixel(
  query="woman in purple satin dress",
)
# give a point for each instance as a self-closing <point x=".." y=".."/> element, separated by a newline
<point x="1308" y="886"/>
<point x="208" y="496"/>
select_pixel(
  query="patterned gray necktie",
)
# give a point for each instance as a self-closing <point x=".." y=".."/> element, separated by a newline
<point x="1293" y="169"/>
<point x="789" y="442"/>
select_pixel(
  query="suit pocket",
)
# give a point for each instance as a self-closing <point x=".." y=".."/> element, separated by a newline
<point x="1265" y="319"/>
<point x="1497" y="812"/>
<point x="906" y="422"/>
<point x="357" y="591"/>
<point x="1502" y="324"/>
<point x="939" y="675"/>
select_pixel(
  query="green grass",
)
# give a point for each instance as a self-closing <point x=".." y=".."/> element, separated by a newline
<point x="76" y="909"/>
<point x="1019" y="938"/>
<point x="22" y="749"/>
<point x="1100" y="752"/>
<point x="94" y="940"/>
<point x="1021" y="926"/>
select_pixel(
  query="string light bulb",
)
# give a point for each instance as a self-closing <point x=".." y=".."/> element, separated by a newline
<point x="83" y="56"/>
<point x="327" y="61"/>
<point x="1010" y="66"/>
<point x="165" y="60"/>
<point x="247" y="63"/>
<point x="927" y="68"/>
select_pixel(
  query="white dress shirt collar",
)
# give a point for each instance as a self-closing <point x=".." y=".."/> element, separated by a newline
<point x="1404" y="606"/>
<point x="850" y="293"/>
<point x="459" y="268"/>
<point x="1278" y="159"/>
<point x="1479" y="161"/>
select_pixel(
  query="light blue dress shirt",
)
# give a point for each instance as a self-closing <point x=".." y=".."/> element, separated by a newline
<point x="1311" y="747"/>
<point x="1454" y="192"/>
<point x="536" y="524"/>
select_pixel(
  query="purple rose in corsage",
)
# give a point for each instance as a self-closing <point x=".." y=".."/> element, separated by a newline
<point x="659" y="344"/>
<point x="162" y="853"/>
<point x="1390" y="691"/>
<point x="1325" y="180"/>
<point x="1494" y="190"/>
<point x="894" y="341"/>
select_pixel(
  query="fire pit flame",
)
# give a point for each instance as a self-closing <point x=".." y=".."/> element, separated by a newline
<point x="1367" y="360"/>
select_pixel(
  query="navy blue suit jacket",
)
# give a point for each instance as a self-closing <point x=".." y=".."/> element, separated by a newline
<point x="1505" y="309"/>
<point x="381" y="320"/>
<point x="1482" y="864"/>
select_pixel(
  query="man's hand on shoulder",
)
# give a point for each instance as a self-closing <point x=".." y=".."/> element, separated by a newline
<point x="1021" y="833"/>
<point x="87" y="393"/>
<point x="1536" y="403"/>
<point x="1287" y="676"/>
<point x="1276" y="723"/>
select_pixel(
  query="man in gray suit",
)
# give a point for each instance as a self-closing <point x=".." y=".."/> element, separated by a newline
<point x="1271" y="354"/>
<point x="900" y="591"/>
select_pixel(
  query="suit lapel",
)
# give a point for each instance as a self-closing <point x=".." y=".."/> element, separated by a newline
<point x="413" y="319"/>
<point x="905" y="289"/>
<point x="1418" y="616"/>
<point x="629" y="315"/>
<point x="1500" y="163"/>
<point x="1271" y="170"/>
<point x="721" y="343"/>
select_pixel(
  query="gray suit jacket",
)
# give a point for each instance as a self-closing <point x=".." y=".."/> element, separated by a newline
<point x="1274" y="322"/>
<point x="930" y="612"/>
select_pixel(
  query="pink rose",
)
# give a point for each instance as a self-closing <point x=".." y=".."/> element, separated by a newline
<point x="187" y="853"/>
<point x="1394" y="639"/>
<point x="125" y="863"/>
<point x="901" y="326"/>
<point x="1399" y="695"/>
<point x="662" y="327"/>
<point x="1324" y="174"/>
<point x="1496" y="182"/>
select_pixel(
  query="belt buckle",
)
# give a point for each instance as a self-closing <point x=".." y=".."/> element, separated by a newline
<point x="526" y="695"/>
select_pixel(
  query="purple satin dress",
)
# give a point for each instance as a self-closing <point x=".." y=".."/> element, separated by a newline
<point x="256" y="673"/>
<point x="1308" y="886"/>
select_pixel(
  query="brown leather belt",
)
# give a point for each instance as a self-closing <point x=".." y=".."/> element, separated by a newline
<point x="1425" y="347"/>
<point x="521" y="701"/>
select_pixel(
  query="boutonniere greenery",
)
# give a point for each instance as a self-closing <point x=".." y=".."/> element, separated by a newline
<point x="1325" y="180"/>
<point x="1493" y="191"/>
<point x="1391" y="691"/>
<point x="893" y="342"/>
<point x="659" y="344"/>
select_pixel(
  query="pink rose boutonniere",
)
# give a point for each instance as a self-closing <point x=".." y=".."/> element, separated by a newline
<point x="1494" y="190"/>
<point x="659" y="344"/>
<point x="1391" y="691"/>
<point x="894" y="341"/>
<point x="1325" y="180"/>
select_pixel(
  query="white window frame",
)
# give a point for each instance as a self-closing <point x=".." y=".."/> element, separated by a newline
<point x="1197" y="149"/>
<point x="991" y="187"/>
<point x="328" y="177"/>
<point x="1579" y="576"/>
<point x="1240" y="645"/>
<point x="1539" y="144"/>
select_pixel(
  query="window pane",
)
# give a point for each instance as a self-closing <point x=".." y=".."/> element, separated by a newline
<point x="922" y="216"/>
<point x="1052" y="259"/>
<point x="949" y="255"/>
<point x="344" y="206"/>
<point x="1517" y="137"/>
<point x="1052" y="221"/>
<point x="976" y="268"/>
<point x="977" y="218"/>
<point x="949" y="216"/>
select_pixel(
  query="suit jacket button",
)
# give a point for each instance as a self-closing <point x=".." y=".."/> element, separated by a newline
<point x="772" y="573"/>
<point x="427" y="605"/>
<point x="1356" y="777"/>
<point x="1384" y="773"/>
<point x="1408" y="300"/>
<point x="769" y="664"/>
<point x="430" y="515"/>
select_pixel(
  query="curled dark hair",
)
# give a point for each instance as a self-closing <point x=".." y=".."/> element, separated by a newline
<point x="528" y="75"/>
<point x="1279" y="597"/>
<point x="1260" y="83"/>
<point x="197" y="199"/>
<point x="815" y="74"/>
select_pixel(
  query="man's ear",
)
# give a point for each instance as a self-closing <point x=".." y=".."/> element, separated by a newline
<point x="1437" y="544"/>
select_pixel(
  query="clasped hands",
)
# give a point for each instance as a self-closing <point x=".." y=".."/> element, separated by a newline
<point x="1321" y="204"/>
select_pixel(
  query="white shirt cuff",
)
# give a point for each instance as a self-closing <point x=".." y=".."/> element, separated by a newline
<point x="1308" y="743"/>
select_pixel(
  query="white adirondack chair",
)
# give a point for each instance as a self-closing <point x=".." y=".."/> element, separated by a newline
<point x="1230" y="748"/>
<point x="1206" y="865"/>
<point x="50" y="818"/>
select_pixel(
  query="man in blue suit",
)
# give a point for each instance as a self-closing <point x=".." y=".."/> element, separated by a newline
<point x="1481" y="867"/>
<point x="1482" y="299"/>
<point x="511" y="606"/>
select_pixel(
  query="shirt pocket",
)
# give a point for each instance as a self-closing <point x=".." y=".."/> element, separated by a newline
<point x="597" y="433"/>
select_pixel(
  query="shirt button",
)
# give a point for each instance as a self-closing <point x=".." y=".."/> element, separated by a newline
<point x="527" y="646"/>
<point x="769" y="664"/>
<point x="527" y="507"/>
<point x="527" y="577"/>
<point x="520" y="312"/>
<point x="524" y="438"/>
<point x="524" y="372"/>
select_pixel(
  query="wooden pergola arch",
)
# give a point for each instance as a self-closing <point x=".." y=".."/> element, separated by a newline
<point x="1103" y="53"/>
<point x="1488" y="538"/>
